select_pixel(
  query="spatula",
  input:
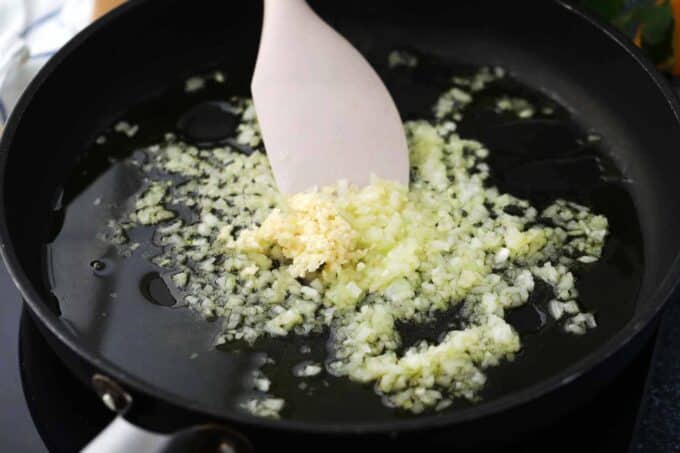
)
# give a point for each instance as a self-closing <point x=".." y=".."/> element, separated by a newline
<point x="324" y="113"/>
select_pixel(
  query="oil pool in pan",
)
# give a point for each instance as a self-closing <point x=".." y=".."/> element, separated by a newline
<point x="541" y="158"/>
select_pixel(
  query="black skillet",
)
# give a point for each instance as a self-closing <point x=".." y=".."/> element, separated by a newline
<point x="139" y="353"/>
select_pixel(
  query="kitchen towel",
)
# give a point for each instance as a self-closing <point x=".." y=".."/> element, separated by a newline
<point x="31" y="31"/>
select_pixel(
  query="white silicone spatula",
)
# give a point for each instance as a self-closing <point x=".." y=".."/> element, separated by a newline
<point x="324" y="113"/>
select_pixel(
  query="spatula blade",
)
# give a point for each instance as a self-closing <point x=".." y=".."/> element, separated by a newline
<point x="324" y="113"/>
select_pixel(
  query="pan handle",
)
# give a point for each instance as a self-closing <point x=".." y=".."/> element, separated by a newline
<point x="122" y="436"/>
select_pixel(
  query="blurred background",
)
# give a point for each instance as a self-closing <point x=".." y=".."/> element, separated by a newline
<point x="31" y="31"/>
<point x="649" y="23"/>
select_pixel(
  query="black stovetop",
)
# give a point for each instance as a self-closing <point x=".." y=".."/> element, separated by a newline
<point x="44" y="408"/>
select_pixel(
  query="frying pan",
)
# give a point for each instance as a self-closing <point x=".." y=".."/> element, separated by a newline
<point x="129" y="56"/>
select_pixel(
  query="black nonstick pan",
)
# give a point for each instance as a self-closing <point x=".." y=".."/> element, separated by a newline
<point x="155" y="363"/>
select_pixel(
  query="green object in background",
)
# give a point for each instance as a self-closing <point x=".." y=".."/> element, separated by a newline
<point x="657" y="20"/>
<point x="606" y="9"/>
<point x="649" y="23"/>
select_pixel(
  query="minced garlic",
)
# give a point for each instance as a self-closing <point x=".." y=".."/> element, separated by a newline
<point x="310" y="232"/>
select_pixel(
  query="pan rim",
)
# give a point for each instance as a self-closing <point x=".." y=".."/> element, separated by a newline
<point x="512" y="400"/>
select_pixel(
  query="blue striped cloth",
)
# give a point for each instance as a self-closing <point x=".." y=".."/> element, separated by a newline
<point x="31" y="31"/>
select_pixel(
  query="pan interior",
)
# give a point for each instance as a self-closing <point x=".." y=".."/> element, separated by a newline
<point x="170" y="348"/>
